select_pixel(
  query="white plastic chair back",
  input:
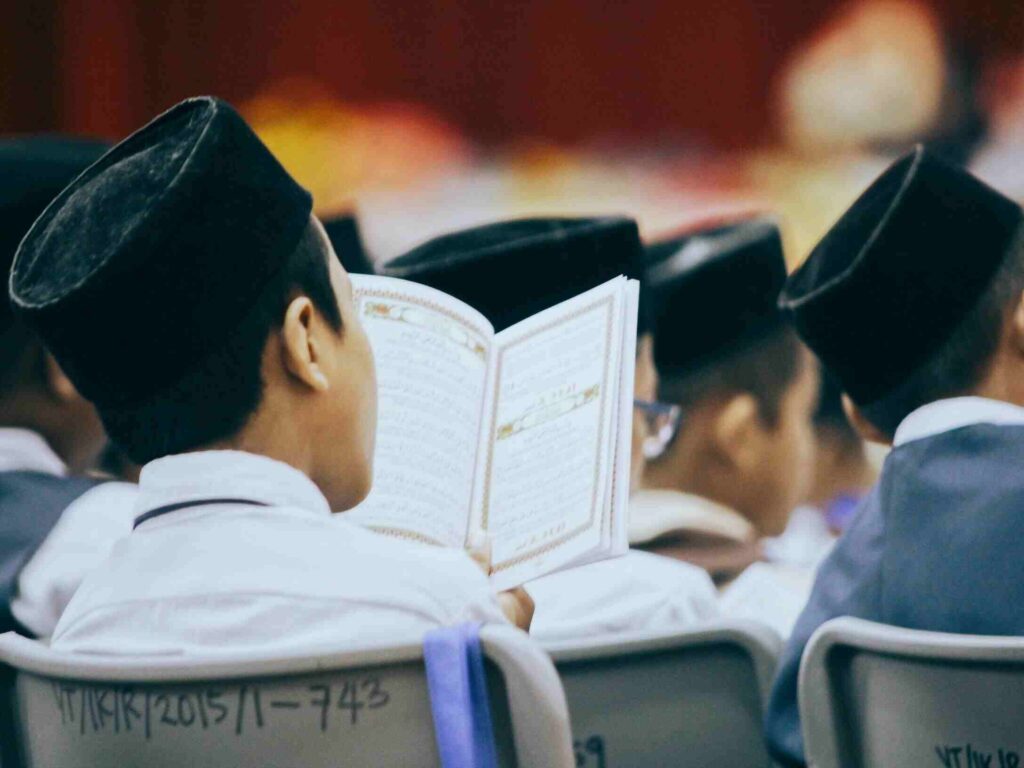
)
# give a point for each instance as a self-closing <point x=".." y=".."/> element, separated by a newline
<point x="686" y="698"/>
<point x="876" y="695"/>
<point x="363" y="708"/>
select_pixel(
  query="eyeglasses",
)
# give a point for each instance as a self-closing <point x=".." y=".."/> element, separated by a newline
<point x="661" y="422"/>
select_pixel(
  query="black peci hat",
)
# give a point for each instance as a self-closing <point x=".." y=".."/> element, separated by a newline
<point x="714" y="291"/>
<point x="343" y="232"/>
<point x="511" y="270"/>
<point x="33" y="170"/>
<point x="148" y="261"/>
<point x="890" y="282"/>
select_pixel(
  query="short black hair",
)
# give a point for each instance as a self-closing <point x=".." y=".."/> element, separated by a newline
<point x="965" y="357"/>
<point x="215" y="398"/>
<point x="766" y="367"/>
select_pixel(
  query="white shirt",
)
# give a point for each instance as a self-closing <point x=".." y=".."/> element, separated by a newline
<point x="634" y="592"/>
<point x="806" y="541"/>
<point x="229" y="576"/>
<point x="953" y="413"/>
<point x="656" y="511"/>
<point x="81" y="540"/>
<point x="769" y="593"/>
<point x="22" y="450"/>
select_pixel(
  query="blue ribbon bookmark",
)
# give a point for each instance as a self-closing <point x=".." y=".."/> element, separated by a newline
<point x="458" y="697"/>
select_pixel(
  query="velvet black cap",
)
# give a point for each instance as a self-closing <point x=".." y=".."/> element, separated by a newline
<point x="511" y="270"/>
<point x="890" y="282"/>
<point x="33" y="170"/>
<point x="714" y="291"/>
<point x="148" y="260"/>
<point x="343" y="232"/>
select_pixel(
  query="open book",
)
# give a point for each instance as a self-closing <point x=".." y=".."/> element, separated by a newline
<point x="523" y="434"/>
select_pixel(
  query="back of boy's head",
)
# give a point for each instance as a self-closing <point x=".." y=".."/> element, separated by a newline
<point x="33" y="170"/>
<point x="906" y="297"/>
<point x="718" y="331"/>
<point x="765" y="367"/>
<point x="216" y="397"/>
<point x="157" y="276"/>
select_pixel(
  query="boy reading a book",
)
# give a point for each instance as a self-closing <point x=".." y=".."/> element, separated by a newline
<point x="741" y="459"/>
<point x="186" y="289"/>
<point x="915" y="301"/>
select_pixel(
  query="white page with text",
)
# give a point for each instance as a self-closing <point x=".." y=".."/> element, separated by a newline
<point x="432" y="354"/>
<point x="544" y="484"/>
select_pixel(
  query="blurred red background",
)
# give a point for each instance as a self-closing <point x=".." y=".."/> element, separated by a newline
<point x="560" y="70"/>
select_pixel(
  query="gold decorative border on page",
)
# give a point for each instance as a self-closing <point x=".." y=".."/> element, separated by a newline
<point x="542" y="414"/>
<point x="401" y="533"/>
<point x="607" y="303"/>
<point x="451" y="326"/>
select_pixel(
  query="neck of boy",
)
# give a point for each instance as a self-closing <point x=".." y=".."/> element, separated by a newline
<point x="1003" y="378"/>
<point x="1004" y="381"/>
<point x="274" y="438"/>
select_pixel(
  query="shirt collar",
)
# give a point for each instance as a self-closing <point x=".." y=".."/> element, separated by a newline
<point x="22" y="450"/>
<point x="654" y="512"/>
<point x="953" y="413"/>
<point x="205" y="475"/>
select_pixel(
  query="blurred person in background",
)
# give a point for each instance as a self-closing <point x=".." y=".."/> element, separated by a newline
<point x="540" y="263"/>
<point x="880" y="75"/>
<point x="742" y="458"/>
<point x="56" y="524"/>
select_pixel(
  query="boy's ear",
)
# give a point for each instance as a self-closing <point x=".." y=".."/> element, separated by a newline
<point x="864" y="428"/>
<point x="738" y="431"/>
<point x="57" y="382"/>
<point x="300" y="347"/>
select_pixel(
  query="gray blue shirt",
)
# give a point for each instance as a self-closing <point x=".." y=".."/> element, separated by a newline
<point x="934" y="546"/>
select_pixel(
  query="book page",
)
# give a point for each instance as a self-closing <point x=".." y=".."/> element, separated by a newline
<point x="431" y="353"/>
<point x="544" y="486"/>
<point x="615" y="518"/>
